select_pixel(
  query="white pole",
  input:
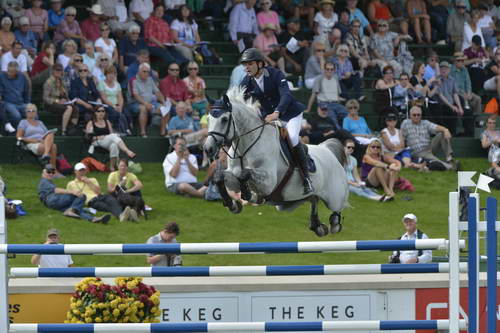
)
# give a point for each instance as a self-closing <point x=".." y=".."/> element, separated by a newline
<point x="454" y="261"/>
<point x="4" y="295"/>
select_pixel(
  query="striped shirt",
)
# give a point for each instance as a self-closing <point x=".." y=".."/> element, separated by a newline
<point x="418" y="136"/>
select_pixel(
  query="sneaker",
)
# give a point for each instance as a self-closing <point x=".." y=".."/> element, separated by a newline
<point x="9" y="128"/>
<point x="361" y="98"/>
<point x="441" y="42"/>
<point x="125" y="215"/>
<point x="102" y="219"/>
<point x="147" y="208"/>
<point x="71" y="213"/>
<point x="133" y="216"/>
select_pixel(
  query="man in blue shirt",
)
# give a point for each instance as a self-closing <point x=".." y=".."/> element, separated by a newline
<point x="130" y="46"/>
<point x="14" y="91"/>
<point x="26" y="36"/>
<point x="186" y="126"/>
<point x="55" y="14"/>
<point x="269" y="86"/>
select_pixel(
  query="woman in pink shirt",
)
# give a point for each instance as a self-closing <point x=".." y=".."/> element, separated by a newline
<point x="39" y="19"/>
<point x="267" y="43"/>
<point x="268" y="16"/>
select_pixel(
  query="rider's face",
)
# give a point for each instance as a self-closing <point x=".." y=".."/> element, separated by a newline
<point x="251" y="68"/>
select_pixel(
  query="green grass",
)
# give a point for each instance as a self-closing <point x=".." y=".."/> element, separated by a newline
<point x="202" y="221"/>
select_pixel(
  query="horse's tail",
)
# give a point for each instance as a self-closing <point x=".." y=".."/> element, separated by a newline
<point x="336" y="147"/>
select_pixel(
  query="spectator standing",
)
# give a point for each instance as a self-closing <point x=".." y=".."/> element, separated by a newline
<point x="243" y="23"/>
<point x="315" y="64"/>
<point x="91" y="25"/>
<point x="356" y="124"/>
<point x="490" y="139"/>
<point x="294" y="61"/>
<point x="71" y="203"/>
<point x="84" y="91"/>
<point x="38" y="19"/>
<point x="357" y="14"/>
<point x="324" y="20"/>
<point x="382" y="45"/>
<point x="472" y="28"/>
<point x="350" y="82"/>
<point x="412" y="233"/>
<point x="43" y="63"/>
<point x="180" y="169"/>
<point x="130" y="45"/>
<point x="52" y="260"/>
<point x="456" y="23"/>
<point x="69" y="28"/>
<point x="451" y="107"/>
<point x="14" y="91"/>
<point x="106" y="45"/>
<point x="55" y="99"/>
<point x="417" y="135"/>
<point x="166" y="236"/>
<point x="7" y="37"/>
<point x="55" y="14"/>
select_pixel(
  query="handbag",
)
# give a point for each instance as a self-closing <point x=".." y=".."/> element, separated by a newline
<point x="212" y="192"/>
<point x="63" y="166"/>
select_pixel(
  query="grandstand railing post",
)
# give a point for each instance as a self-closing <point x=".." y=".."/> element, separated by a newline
<point x="473" y="262"/>
<point x="491" y="239"/>
<point x="454" y="262"/>
<point x="4" y="294"/>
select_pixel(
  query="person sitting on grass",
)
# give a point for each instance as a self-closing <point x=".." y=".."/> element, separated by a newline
<point x="70" y="202"/>
<point x="180" y="169"/>
<point x="52" y="260"/>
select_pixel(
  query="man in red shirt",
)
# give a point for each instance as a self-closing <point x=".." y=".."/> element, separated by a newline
<point x="90" y="26"/>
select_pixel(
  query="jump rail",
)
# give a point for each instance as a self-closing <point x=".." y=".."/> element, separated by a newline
<point x="319" y="326"/>
<point x="229" y="248"/>
<point x="25" y="272"/>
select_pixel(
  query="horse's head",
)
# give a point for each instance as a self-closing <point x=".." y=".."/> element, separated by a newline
<point x="220" y="127"/>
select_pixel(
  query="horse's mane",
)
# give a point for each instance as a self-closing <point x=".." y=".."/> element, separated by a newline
<point x="236" y="95"/>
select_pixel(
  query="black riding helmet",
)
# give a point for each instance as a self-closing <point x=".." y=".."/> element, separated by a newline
<point x="251" y="54"/>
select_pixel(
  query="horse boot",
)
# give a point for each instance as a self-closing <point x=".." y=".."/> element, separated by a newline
<point x="300" y="154"/>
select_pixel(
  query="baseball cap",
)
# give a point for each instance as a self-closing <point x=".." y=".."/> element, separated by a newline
<point x="49" y="167"/>
<point x="24" y="21"/>
<point x="52" y="231"/>
<point x="323" y="105"/>
<point x="80" y="166"/>
<point x="391" y="116"/>
<point x="444" y="64"/>
<point x="410" y="216"/>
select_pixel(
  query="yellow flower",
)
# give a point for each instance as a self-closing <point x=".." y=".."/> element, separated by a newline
<point x="88" y="320"/>
<point x="98" y="320"/>
<point x="116" y="312"/>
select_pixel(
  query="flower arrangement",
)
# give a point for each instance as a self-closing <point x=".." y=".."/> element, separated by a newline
<point x="129" y="301"/>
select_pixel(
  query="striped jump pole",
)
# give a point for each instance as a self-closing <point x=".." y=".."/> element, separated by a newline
<point x="491" y="239"/>
<point x="318" y="326"/>
<point x="473" y="262"/>
<point x="229" y="248"/>
<point x="25" y="272"/>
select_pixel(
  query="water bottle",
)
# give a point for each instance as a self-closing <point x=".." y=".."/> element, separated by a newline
<point x="300" y="83"/>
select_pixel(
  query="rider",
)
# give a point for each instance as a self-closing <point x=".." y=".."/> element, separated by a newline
<point x="269" y="86"/>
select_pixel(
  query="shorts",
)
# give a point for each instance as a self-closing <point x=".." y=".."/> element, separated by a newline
<point x="368" y="184"/>
<point x="173" y="188"/>
<point x="33" y="147"/>
<point x="134" y="109"/>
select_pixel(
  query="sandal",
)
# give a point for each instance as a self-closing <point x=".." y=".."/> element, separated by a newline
<point x="388" y="198"/>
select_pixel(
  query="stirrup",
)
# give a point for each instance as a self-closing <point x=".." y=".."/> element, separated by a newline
<point x="308" y="186"/>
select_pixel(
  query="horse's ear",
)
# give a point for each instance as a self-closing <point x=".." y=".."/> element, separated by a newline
<point x="227" y="103"/>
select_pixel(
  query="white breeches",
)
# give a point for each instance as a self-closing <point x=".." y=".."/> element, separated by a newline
<point x="293" y="127"/>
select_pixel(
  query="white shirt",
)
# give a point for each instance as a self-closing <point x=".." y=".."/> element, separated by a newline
<point x="107" y="49"/>
<point x="63" y="60"/>
<point x="143" y="7"/>
<point x="55" y="261"/>
<point x="184" y="175"/>
<point x="260" y="82"/>
<point x="325" y="25"/>
<point x="21" y="61"/>
<point x="468" y="33"/>
<point x="404" y="256"/>
<point x="171" y="4"/>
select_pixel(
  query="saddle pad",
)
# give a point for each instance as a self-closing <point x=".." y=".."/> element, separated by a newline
<point x="287" y="154"/>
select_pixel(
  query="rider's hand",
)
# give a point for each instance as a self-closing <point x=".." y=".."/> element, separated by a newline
<point x="272" y="117"/>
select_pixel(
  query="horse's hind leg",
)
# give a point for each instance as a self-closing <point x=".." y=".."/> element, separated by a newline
<point x="335" y="222"/>
<point x="315" y="224"/>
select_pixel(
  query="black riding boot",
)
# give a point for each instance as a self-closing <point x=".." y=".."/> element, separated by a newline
<point x="300" y="152"/>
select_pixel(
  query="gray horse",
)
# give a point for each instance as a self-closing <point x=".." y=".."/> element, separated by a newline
<point x="257" y="166"/>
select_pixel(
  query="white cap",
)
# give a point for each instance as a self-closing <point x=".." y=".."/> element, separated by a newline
<point x="96" y="9"/>
<point x="410" y="216"/>
<point x="24" y="21"/>
<point x="80" y="166"/>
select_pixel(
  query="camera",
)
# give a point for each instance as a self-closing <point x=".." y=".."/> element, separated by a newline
<point x="182" y="147"/>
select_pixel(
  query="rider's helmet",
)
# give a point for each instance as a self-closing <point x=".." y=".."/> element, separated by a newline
<point x="252" y="54"/>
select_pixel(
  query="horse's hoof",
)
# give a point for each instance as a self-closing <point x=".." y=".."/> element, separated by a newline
<point x="335" y="223"/>
<point x="321" y="230"/>
<point x="335" y="228"/>
<point x="236" y="207"/>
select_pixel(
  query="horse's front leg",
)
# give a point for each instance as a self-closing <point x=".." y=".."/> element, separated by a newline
<point x="234" y="206"/>
<point x="243" y="179"/>
<point x="315" y="224"/>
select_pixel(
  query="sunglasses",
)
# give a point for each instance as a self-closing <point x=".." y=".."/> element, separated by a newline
<point x="70" y="15"/>
<point x="352" y="108"/>
<point x="193" y="68"/>
<point x="461" y="7"/>
<point x="51" y="172"/>
<point x="382" y="25"/>
<point x="376" y="147"/>
<point x="416" y="115"/>
<point x="174" y="69"/>
<point x="78" y="60"/>
<point x="388" y="73"/>
<point x="100" y="111"/>
<point x="83" y="70"/>
<point x="104" y="59"/>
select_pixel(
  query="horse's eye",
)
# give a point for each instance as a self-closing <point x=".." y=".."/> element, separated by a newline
<point x="224" y="119"/>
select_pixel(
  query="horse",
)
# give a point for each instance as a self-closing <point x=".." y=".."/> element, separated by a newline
<point x="258" y="169"/>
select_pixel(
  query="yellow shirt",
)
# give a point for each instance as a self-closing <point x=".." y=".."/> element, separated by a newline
<point x="114" y="179"/>
<point x="77" y="185"/>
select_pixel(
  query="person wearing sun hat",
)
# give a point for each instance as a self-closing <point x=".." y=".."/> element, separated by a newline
<point x="325" y="20"/>
<point x="90" y="26"/>
<point x="412" y="233"/>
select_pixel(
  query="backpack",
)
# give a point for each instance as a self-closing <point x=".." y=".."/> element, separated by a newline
<point x="63" y="166"/>
<point x="395" y="258"/>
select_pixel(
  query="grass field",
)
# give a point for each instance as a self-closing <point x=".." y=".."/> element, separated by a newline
<point x="202" y="221"/>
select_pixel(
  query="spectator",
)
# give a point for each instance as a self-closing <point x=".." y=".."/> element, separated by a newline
<point x="456" y="24"/>
<point x="451" y="107"/>
<point x="92" y="191"/>
<point x="185" y="33"/>
<point x="243" y="23"/>
<point x="491" y="139"/>
<point x="140" y="10"/>
<point x="432" y="67"/>
<point x="175" y="90"/>
<point x="103" y="62"/>
<point x="71" y="71"/>
<point x="382" y="45"/>
<point x="27" y="37"/>
<point x="378" y="171"/>
<point x="106" y="45"/>
<point x="438" y="12"/>
<point x="315" y="64"/>
<point x="393" y="144"/>
<point x="130" y="46"/>
<point x="180" y="169"/>
<point x="100" y="132"/>
<point x="472" y="28"/>
<point x="183" y="124"/>
<point x="412" y="233"/>
<point x="43" y="63"/>
<point x="111" y="95"/>
<point x="294" y="61"/>
<point x="92" y="25"/>
<point x="357" y="14"/>
<point x="89" y="56"/>
<point x="322" y="127"/>
<point x="384" y="89"/>
<point x="14" y="90"/>
<point x="115" y="13"/>
<point x="378" y="10"/>
<point x="402" y="95"/>
<point x="166" y="236"/>
<point x="7" y="37"/>
<point x="350" y="82"/>
<point x="71" y="203"/>
<point x="492" y="74"/>
<point x="69" y="28"/>
<point x="462" y="79"/>
<point x="133" y="68"/>
<point x="52" y="260"/>
<point x="38" y="20"/>
<point x="268" y="16"/>
<point x="343" y="23"/>
<point x="83" y="89"/>
<point x="55" y="99"/>
<point x="268" y="45"/>
<point x="326" y="92"/>
<point x="324" y="20"/>
<point x="419" y="83"/>
<point x="55" y="14"/>
<point x="37" y="138"/>
<point x="417" y="13"/>
<point x="333" y="42"/>
<point x="417" y="136"/>
<point x="358" y="47"/>
<point x="196" y="88"/>
<point x="355" y="124"/>
<point x="128" y="181"/>
<point x="157" y="34"/>
<point x="69" y="49"/>
<point x="16" y="55"/>
<point x="144" y="97"/>
<point x="487" y="26"/>
<point x="237" y="75"/>
<point x="356" y="185"/>
<point x="476" y="59"/>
